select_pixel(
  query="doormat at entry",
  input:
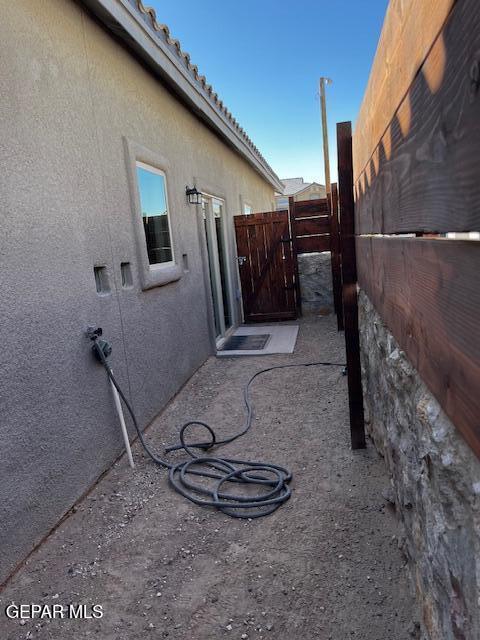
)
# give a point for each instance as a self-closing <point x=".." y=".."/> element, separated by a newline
<point x="246" y="343"/>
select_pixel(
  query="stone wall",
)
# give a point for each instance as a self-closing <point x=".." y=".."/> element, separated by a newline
<point x="315" y="273"/>
<point x="435" y="484"/>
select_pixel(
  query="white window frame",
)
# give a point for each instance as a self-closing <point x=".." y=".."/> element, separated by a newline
<point x="158" y="172"/>
<point x="151" y="275"/>
<point x="247" y="204"/>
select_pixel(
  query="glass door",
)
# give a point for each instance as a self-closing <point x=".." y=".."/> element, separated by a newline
<point x="213" y="210"/>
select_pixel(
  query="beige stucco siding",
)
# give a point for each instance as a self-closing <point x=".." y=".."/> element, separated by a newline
<point x="70" y="97"/>
<point x="311" y="193"/>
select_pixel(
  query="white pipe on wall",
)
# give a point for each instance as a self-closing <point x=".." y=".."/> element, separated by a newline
<point x="118" y="407"/>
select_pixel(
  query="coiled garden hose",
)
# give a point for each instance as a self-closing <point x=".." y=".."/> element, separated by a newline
<point x="265" y="486"/>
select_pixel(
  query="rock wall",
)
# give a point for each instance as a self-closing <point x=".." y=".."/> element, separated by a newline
<point x="435" y="484"/>
<point x="315" y="273"/>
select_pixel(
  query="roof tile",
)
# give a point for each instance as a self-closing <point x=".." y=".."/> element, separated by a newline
<point x="149" y="15"/>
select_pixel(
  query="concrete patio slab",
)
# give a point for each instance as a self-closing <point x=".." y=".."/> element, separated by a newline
<point x="283" y="337"/>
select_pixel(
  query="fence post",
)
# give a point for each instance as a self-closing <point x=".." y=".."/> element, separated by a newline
<point x="349" y="283"/>
<point x="291" y="213"/>
<point x="335" y="254"/>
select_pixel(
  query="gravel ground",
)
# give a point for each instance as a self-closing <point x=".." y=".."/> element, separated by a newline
<point x="326" y="565"/>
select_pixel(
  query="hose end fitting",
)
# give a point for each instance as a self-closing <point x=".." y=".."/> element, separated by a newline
<point x="99" y="346"/>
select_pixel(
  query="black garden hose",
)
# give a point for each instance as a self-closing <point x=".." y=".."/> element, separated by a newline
<point x="271" y="480"/>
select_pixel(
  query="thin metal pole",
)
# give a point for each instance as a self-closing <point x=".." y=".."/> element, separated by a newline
<point x="323" y="106"/>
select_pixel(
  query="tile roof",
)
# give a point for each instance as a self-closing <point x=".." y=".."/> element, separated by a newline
<point x="293" y="185"/>
<point x="149" y="16"/>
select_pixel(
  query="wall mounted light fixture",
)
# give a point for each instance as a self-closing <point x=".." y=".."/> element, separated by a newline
<point x="193" y="196"/>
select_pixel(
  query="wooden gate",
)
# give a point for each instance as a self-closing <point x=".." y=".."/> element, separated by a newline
<point x="310" y="223"/>
<point x="266" y="263"/>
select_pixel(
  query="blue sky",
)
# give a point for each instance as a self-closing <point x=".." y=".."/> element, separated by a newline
<point x="152" y="193"/>
<point x="264" y="58"/>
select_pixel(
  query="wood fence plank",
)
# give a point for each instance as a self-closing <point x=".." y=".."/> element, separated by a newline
<point x="409" y="29"/>
<point x="425" y="176"/>
<point x="312" y="226"/>
<point x="312" y="244"/>
<point x="305" y="208"/>
<point x="349" y="290"/>
<point x="427" y="292"/>
<point x="260" y="218"/>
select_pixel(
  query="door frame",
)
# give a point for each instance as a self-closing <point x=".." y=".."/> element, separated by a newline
<point x="210" y="228"/>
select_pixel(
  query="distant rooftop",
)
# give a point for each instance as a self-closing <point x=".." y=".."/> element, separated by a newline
<point x="294" y="185"/>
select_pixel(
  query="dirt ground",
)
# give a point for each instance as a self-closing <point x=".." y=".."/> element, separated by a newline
<point x="325" y="565"/>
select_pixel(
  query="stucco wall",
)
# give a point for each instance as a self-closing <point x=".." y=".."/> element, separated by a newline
<point x="70" y="95"/>
<point x="313" y="192"/>
<point x="435" y="484"/>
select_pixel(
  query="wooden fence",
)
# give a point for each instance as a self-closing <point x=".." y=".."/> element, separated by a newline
<point x="310" y="225"/>
<point x="422" y="178"/>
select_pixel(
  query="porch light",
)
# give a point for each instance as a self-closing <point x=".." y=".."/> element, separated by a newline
<point x="193" y="196"/>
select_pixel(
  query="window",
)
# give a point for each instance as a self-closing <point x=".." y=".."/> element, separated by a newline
<point x="247" y="209"/>
<point x="152" y="187"/>
<point x="157" y="243"/>
<point x="282" y="203"/>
